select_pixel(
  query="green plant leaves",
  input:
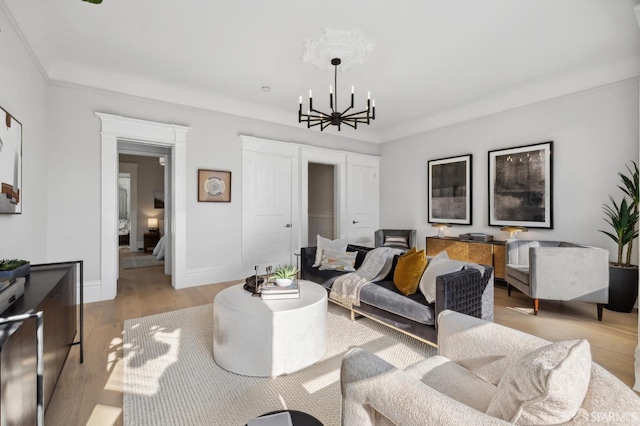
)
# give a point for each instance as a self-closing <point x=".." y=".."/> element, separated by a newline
<point x="623" y="217"/>
<point x="286" y="271"/>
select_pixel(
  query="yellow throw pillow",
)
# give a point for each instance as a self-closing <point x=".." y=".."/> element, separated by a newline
<point x="409" y="252"/>
<point x="409" y="270"/>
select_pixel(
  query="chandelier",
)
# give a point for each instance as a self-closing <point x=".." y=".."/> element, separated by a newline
<point x="313" y="117"/>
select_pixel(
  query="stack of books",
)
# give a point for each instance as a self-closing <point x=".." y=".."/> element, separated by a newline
<point x="271" y="291"/>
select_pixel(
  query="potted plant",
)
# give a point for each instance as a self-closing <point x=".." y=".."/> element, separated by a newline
<point x="623" y="219"/>
<point x="284" y="275"/>
<point x="13" y="268"/>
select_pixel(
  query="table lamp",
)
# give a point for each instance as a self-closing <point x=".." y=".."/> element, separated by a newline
<point x="441" y="227"/>
<point x="514" y="230"/>
<point x="152" y="223"/>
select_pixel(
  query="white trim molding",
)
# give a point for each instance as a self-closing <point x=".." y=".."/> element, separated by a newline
<point x="114" y="129"/>
<point x="636" y="386"/>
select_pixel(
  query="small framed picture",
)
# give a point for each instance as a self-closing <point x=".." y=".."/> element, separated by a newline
<point x="158" y="198"/>
<point x="449" y="198"/>
<point x="214" y="186"/>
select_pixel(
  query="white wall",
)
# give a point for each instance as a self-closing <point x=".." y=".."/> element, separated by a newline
<point x="595" y="133"/>
<point x="24" y="96"/>
<point x="213" y="229"/>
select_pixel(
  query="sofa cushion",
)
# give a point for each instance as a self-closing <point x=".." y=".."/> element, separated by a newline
<point x="338" y="261"/>
<point x="439" y="265"/>
<point x="409" y="270"/>
<point x="327" y="244"/>
<point x="377" y="295"/>
<point x="546" y="386"/>
<point x="453" y="380"/>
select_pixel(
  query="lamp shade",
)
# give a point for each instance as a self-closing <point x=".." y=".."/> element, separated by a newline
<point x="441" y="227"/>
<point x="152" y="222"/>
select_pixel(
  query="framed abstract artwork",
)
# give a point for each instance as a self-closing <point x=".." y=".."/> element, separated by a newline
<point x="214" y="186"/>
<point x="521" y="186"/>
<point x="449" y="190"/>
<point x="158" y="198"/>
<point x="10" y="164"/>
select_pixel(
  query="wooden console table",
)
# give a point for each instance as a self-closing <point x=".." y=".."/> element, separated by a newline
<point x="488" y="253"/>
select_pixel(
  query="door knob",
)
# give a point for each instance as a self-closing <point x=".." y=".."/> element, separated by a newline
<point x="354" y="222"/>
<point x="288" y="225"/>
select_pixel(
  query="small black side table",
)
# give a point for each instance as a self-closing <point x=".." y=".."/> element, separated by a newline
<point x="298" y="418"/>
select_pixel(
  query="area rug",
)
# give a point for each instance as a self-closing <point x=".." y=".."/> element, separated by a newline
<point x="170" y="377"/>
<point x="131" y="262"/>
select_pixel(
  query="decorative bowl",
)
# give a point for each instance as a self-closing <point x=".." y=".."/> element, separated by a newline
<point x="283" y="282"/>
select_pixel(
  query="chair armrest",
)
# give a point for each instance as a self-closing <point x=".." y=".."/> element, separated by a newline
<point x="467" y="291"/>
<point x="567" y="273"/>
<point x="484" y="348"/>
<point x="372" y="388"/>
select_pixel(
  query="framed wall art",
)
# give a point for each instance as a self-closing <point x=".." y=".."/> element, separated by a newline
<point x="214" y="186"/>
<point x="158" y="198"/>
<point x="521" y="186"/>
<point x="449" y="190"/>
<point x="10" y="163"/>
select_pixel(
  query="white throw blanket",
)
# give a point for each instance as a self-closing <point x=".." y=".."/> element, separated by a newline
<point x="376" y="265"/>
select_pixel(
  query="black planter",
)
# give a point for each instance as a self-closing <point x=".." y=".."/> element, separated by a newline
<point x="623" y="288"/>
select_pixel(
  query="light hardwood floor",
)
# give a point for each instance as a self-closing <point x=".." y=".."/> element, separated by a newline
<point x="91" y="393"/>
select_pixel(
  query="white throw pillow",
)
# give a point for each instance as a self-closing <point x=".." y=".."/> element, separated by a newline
<point x="329" y="245"/>
<point x="546" y="386"/>
<point x="439" y="265"/>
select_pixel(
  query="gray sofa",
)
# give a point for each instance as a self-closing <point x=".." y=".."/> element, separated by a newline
<point x="555" y="270"/>
<point x="469" y="291"/>
<point x="457" y="386"/>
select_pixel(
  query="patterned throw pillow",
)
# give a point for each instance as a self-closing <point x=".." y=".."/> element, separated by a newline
<point x="338" y="261"/>
<point x="396" y="241"/>
<point x="325" y="244"/>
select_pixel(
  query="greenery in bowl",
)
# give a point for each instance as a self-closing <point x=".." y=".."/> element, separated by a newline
<point x="623" y="216"/>
<point x="286" y="271"/>
<point x="11" y="264"/>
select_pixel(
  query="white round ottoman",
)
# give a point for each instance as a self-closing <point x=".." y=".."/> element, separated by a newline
<point x="256" y="337"/>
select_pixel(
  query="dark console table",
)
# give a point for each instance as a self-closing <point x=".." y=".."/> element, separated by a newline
<point x="50" y="289"/>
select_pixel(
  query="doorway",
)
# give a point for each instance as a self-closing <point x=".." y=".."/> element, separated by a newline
<point x="116" y="129"/>
<point x="321" y="202"/>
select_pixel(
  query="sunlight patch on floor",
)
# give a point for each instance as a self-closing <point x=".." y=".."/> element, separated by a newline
<point x="104" y="415"/>
<point x="163" y="355"/>
<point x="321" y="382"/>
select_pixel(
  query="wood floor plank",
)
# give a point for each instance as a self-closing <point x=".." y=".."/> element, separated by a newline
<point x="91" y="393"/>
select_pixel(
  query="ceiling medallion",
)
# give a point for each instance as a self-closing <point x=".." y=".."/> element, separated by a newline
<point x="349" y="46"/>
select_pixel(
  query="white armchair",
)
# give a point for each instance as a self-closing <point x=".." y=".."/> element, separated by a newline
<point x="457" y="386"/>
<point x="554" y="270"/>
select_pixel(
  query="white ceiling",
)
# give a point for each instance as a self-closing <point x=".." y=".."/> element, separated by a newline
<point x="434" y="62"/>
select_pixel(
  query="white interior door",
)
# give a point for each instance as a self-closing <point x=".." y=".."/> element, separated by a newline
<point x="267" y="209"/>
<point x="363" y="199"/>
